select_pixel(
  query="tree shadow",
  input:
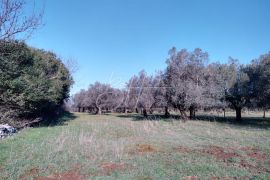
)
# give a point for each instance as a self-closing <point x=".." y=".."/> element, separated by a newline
<point x="150" y="117"/>
<point x="256" y="122"/>
<point x="60" y="120"/>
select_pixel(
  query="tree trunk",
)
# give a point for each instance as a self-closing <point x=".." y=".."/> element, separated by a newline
<point x="167" y="114"/>
<point x="183" y="115"/>
<point x="145" y="113"/>
<point x="191" y="112"/>
<point x="136" y="110"/>
<point x="79" y="109"/>
<point x="238" y="114"/>
<point x="264" y="113"/>
<point x="83" y="109"/>
<point x="224" y="113"/>
<point x="99" y="110"/>
<point x="125" y="110"/>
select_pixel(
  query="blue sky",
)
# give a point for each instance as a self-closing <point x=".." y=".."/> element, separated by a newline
<point x="115" y="39"/>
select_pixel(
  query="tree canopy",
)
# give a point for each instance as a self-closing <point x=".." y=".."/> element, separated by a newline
<point x="188" y="83"/>
<point x="33" y="82"/>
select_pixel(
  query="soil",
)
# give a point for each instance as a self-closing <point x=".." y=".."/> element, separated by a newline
<point x="70" y="175"/>
<point x="242" y="155"/>
<point x="220" y="153"/>
<point x="108" y="168"/>
<point x="144" y="148"/>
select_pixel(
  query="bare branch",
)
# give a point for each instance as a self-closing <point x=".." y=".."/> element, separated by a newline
<point x="15" y="21"/>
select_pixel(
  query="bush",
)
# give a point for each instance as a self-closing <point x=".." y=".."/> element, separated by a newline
<point x="33" y="82"/>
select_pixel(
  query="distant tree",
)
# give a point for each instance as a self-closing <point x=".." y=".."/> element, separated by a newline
<point x="33" y="82"/>
<point x="78" y="101"/>
<point x="133" y="90"/>
<point x="160" y="92"/>
<point x="259" y="84"/>
<point x="217" y="76"/>
<point x="237" y="92"/>
<point x="15" y="21"/>
<point x="98" y="97"/>
<point x="185" y="80"/>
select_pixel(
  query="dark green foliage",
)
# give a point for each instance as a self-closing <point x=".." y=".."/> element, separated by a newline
<point x="237" y="92"/>
<point x="259" y="73"/>
<point x="33" y="82"/>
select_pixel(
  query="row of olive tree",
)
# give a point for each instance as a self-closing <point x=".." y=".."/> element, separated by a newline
<point x="188" y="83"/>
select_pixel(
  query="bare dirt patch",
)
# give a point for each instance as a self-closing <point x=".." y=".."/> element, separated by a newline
<point x="70" y="175"/>
<point x="144" y="148"/>
<point x="256" y="154"/>
<point x="30" y="173"/>
<point x="220" y="153"/>
<point x="141" y="149"/>
<point x="111" y="167"/>
<point x="260" y="159"/>
<point x="245" y="157"/>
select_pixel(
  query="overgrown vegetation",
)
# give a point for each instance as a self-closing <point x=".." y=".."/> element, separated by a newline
<point x="33" y="83"/>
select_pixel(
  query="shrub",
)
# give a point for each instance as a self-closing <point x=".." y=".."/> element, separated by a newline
<point x="33" y="82"/>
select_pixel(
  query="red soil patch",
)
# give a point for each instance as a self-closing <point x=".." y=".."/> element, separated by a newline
<point x="247" y="165"/>
<point x="250" y="153"/>
<point x="30" y="173"/>
<point x="261" y="163"/>
<point x="108" y="168"/>
<point x="255" y="153"/>
<point x="258" y="156"/>
<point x="248" y="148"/>
<point x="144" y="148"/>
<point x="220" y="153"/>
<point x="113" y="166"/>
<point x="71" y="175"/>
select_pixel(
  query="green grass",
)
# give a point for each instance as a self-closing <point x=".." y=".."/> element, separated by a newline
<point x="114" y="146"/>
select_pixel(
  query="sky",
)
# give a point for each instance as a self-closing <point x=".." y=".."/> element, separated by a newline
<point x="112" y="40"/>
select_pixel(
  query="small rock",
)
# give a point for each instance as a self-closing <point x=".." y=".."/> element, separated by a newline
<point x="6" y="130"/>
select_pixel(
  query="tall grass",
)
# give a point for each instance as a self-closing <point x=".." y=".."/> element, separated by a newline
<point x="146" y="147"/>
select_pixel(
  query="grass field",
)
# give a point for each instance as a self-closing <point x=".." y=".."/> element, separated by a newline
<point x="118" y="146"/>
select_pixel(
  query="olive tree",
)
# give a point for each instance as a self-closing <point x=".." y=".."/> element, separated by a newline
<point x="259" y="84"/>
<point x="184" y="78"/>
<point x="237" y="92"/>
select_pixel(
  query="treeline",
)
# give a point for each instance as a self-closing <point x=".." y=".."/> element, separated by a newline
<point x="33" y="83"/>
<point x="188" y="83"/>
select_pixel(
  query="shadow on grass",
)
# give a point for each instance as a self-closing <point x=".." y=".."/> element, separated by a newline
<point x="256" y="122"/>
<point x="151" y="117"/>
<point x="60" y="120"/>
